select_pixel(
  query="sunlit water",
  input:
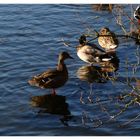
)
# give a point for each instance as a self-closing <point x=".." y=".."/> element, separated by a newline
<point x="30" y="41"/>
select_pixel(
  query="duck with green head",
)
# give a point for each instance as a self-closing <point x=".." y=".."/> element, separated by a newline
<point x="90" y="53"/>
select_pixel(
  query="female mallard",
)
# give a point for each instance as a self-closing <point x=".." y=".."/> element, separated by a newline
<point x="137" y="14"/>
<point x="107" y="39"/>
<point x="53" y="78"/>
<point x="90" y="53"/>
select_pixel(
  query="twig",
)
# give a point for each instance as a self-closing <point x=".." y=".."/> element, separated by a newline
<point x="98" y="35"/>
<point x="66" y="43"/>
<point x="129" y="18"/>
<point x="120" y="24"/>
<point x="130" y="121"/>
<point x="102" y="107"/>
<point x="123" y="110"/>
<point x="81" y="98"/>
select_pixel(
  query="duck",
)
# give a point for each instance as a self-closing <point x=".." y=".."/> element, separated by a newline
<point x="137" y="14"/>
<point x="53" y="78"/>
<point x="90" y="53"/>
<point x="107" y="39"/>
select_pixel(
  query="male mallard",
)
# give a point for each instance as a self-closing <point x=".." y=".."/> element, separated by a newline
<point x="53" y="78"/>
<point x="107" y="39"/>
<point x="90" y="53"/>
<point x="137" y="14"/>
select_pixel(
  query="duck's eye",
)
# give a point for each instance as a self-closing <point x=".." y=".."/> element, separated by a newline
<point x="103" y="30"/>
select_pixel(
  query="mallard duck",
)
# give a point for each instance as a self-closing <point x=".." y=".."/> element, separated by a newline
<point x="53" y="79"/>
<point x="90" y="53"/>
<point x="137" y="14"/>
<point x="107" y="39"/>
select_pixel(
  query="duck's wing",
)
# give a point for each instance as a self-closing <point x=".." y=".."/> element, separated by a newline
<point x="93" y="50"/>
<point x="97" y="55"/>
<point x="49" y="76"/>
<point x="115" y="38"/>
<point x="48" y="73"/>
<point x="90" y="54"/>
<point x="52" y="79"/>
<point x="112" y="38"/>
<point x="96" y="49"/>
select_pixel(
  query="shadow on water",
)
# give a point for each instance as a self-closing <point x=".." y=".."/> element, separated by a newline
<point x="53" y="104"/>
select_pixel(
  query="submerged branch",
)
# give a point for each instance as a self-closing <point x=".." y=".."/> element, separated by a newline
<point x="67" y="44"/>
<point x="130" y="121"/>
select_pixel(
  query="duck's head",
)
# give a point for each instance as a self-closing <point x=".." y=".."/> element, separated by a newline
<point x="137" y="14"/>
<point x="64" y="55"/>
<point x="82" y="39"/>
<point x="104" y="30"/>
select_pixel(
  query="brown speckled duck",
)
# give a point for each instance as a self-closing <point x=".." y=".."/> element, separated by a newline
<point x="53" y="79"/>
<point x="107" y="39"/>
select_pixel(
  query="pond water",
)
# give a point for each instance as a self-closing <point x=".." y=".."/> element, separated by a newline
<point x="30" y="41"/>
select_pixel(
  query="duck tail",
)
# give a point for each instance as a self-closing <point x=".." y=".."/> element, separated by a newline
<point x="35" y="81"/>
<point x="106" y="59"/>
<point x="113" y="46"/>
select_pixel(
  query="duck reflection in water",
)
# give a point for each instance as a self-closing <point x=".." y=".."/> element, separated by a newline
<point x="112" y="65"/>
<point x="53" y="105"/>
<point x="90" y="74"/>
<point x="97" y="74"/>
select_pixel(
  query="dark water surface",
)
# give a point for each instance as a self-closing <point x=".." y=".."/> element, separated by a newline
<point x="30" y="41"/>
